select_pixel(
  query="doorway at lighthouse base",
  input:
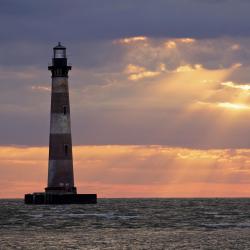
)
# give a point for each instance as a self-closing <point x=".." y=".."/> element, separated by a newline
<point x="64" y="198"/>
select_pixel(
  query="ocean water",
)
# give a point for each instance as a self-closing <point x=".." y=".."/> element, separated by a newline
<point x="127" y="224"/>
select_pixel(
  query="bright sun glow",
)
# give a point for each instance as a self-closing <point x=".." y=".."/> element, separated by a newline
<point x="236" y="106"/>
<point x="236" y="86"/>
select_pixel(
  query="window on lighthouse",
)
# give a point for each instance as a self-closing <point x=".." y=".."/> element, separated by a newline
<point x="64" y="110"/>
<point x="66" y="149"/>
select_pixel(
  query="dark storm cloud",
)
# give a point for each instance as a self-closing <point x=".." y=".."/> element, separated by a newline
<point x="29" y="28"/>
<point x="94" y="19"/>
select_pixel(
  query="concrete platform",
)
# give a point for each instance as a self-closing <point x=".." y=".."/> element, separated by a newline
<point x="48" y="198"/>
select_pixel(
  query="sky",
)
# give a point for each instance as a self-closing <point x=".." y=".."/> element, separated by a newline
<point x="159" y="92"/>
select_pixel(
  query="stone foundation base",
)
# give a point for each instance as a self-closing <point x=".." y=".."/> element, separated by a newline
<point x="48" y="198"/>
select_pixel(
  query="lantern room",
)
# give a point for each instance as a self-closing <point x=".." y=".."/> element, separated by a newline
<point x="59" y="51"/>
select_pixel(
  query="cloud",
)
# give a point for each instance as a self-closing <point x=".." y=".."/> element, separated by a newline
<point x="173" y="43"/>
<point x="41" y="88"/>
<point x="109" y="20"/>
<point x="188" y="68"/>
<point x="141" y="93"/>
<point x="170" y="44"/>
<point x="186" y="40"/>
<point x="137" y="73"/>
<point x="237" y="106"/>
<point x="130" y="40"/>
<point x="236" y="86"/>
<point x="145" y="74"/>
<point x="225" y="105"/>
<point x="133" y="69"/>
<point x="112" y="171"/>
<point x="235" y="47"/>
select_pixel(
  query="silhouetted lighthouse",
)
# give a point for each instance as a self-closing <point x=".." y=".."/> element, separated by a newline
<point x="60" y="176"/>
<point x="60" y="189"/>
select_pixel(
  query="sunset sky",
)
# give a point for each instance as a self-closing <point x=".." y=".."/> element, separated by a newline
<point x="159" y="92"/>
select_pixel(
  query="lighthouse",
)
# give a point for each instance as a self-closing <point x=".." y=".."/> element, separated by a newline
<point x="60" y="174"/>
<point x="60" y="185"/>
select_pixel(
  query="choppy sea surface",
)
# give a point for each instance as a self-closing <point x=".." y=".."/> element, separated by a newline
<point x="127" y="224"/>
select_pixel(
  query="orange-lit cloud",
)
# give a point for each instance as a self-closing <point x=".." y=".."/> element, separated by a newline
<point x="188" y="68"/>
<point x="137" y="73"/>
<point x="170" y="44"/>
<point x="133" y="171"/>
<point x="225" y="105"/>
<point x="145" y="74"/>
<point x="235" y="47"/>
<point x="41" y="88"/>
<point x="236" y="106"/>
<point x="129" y="40"/>
<point x="134" y="69"/>
<point x="173" y="43"/>
<point x="186" y="40"/>
<point x="236" y="86"/>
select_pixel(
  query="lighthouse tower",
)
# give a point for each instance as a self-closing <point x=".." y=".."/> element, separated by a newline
<point x="60" y="188"/>
<point x="60" y="175"/>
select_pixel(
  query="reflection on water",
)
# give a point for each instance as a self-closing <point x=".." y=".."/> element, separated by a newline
<point x="127" y="224"/>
